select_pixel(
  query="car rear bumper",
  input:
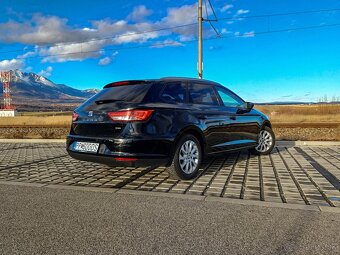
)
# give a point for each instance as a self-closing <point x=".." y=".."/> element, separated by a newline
<point x="124" y="152"/>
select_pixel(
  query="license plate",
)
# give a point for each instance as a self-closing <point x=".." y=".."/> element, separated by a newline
<point x="86" y="147"/>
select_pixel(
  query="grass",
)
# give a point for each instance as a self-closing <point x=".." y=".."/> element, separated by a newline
<point x="39" y="121"/>
<point x="44" y="114"/>
<point x="293" y="114"/>
<point x="303" y="114"/>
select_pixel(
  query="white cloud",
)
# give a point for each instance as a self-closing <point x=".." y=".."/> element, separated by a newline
<point x="139" y="13"/>
<point x="47" y="72"/>
<point x="246" y="34"/>
<point x="167" y="43"/>
<point x="29" y="54"/>
<point x="6" y="65"/>
<point x="57" y="41"/>
<point x="104" y="61"/>
<point x="224" y="31"/>
<point x="130" y="37"/>
<point x="186" y="14"/>
<point x="107" y="60"/>
<point x="241" y="12"/>
<point x="181" y="15"/>
<point x="71" y="52"/>
<point x="41" y="30"/>
<point x="236" y="16"/>
<point x="226" y="7"/>
<point x="249" y="34"/>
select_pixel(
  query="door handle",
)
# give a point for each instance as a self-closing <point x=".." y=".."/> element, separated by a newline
<point x="233" y="117"/>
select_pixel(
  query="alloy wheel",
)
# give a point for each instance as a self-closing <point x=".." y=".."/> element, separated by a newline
<point x="188" y="157"/>
<point x="265" y="141"/>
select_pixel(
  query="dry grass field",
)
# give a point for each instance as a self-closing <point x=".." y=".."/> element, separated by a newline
<point x="35" y="121"/>
<point x="290" y="122"/>
<point x="302" y="114"/>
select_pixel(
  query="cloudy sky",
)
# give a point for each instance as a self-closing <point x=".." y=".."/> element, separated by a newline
<point x="86" y="44"/>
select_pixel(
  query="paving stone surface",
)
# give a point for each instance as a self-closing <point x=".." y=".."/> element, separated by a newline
<point x="307" y="175"/>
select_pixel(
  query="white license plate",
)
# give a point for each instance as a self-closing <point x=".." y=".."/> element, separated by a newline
<point x="86" y="147"/>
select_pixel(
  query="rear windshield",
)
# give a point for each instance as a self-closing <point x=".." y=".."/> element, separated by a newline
<point x="127" y="93"/>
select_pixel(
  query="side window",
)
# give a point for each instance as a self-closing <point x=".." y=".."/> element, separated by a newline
<point x="228" y="98"/>
<point x="202" y="94"/>
<point x="174" y="93"/>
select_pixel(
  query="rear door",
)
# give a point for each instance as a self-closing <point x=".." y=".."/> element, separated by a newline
<point x="240" y="127"/>
<point x="205" y="107"/>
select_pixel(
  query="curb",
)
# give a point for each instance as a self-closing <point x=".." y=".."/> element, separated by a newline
<point x="307" y="143"/>
<point x="208" y="199"/>
<point x="32" y="140"/>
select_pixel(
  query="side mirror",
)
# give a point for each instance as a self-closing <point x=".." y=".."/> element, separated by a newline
<point x="246" y="107"/>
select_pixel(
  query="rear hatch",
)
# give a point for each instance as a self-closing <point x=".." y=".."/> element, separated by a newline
<point x="92" y="119"/>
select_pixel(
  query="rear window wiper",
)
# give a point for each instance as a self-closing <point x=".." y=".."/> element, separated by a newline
<point x="107" y="101"/>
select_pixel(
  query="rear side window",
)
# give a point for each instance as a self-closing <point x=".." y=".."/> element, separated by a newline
<point x="174" y="93"/>
<point x="202" y="94"/>
<point x="126" y="93"/>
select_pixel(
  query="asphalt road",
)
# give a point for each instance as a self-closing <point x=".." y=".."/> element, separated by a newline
<point x="58" y="221"/>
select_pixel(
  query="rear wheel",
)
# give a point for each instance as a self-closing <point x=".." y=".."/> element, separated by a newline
<point x="266" y="142"/>
<point x="187" y="158"/>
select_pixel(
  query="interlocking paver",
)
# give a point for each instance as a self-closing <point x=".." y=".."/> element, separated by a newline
<point x="288" y="175"/>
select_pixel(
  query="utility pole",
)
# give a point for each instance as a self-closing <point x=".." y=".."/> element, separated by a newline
<point x="200" y="41"/>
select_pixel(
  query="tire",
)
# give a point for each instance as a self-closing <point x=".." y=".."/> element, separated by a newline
<point x="178" y="170"/>
<point x="267" y="147"/>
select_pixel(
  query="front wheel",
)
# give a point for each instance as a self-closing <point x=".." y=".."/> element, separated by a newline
<point x="187" y="158"/>
<point x="266" y="142"/>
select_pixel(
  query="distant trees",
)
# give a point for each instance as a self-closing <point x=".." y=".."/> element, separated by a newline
<point x="325" y="99"/>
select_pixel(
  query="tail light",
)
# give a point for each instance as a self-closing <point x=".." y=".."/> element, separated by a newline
<point x="75" y="116"/>
<point x="130" y="115"/>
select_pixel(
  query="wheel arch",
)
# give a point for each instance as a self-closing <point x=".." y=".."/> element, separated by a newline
<point x="266" y="123"/>
<point x="192" y="130"/>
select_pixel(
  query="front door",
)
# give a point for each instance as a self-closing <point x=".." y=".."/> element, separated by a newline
<point x="240" y="128"/>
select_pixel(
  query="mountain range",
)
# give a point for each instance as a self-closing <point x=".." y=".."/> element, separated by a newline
<point x="31" y="92"/>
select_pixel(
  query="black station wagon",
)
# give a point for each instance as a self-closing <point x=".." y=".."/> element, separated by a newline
<point x="173" y="122"/>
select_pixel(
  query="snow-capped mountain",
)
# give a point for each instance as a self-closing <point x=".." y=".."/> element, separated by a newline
<point x="31" y="88"/>
<point x="18" y="76"/>
<point x="39" y="87"/>
<point x="94" y="91"/>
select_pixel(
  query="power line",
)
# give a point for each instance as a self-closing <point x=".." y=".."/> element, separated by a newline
<point x="209" y="20"/>
<point x="189" y="41"/>
<point x="180" y="26"/>
<point x="213" y="10"/>
<point x="280" y="14"/>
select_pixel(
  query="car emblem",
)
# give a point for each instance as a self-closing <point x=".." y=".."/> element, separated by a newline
<point x="90" y="113"/>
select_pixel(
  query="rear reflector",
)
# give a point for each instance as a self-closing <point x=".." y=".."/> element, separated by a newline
<point x="125" y="159"/>
<point x="130" y="115"/>
<point x="75" y="116"/>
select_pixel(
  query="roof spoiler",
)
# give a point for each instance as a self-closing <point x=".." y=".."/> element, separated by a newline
<point x="123" y="83"/>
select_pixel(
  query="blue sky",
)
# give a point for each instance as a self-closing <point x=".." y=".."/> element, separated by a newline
<point x="44" y="37"/>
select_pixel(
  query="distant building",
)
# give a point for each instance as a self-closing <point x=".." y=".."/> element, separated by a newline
<point x="8" y="113"/>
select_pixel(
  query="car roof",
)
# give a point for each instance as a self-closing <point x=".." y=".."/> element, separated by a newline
<point x="186" y="79"/>
<point x="164" y="79"/>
